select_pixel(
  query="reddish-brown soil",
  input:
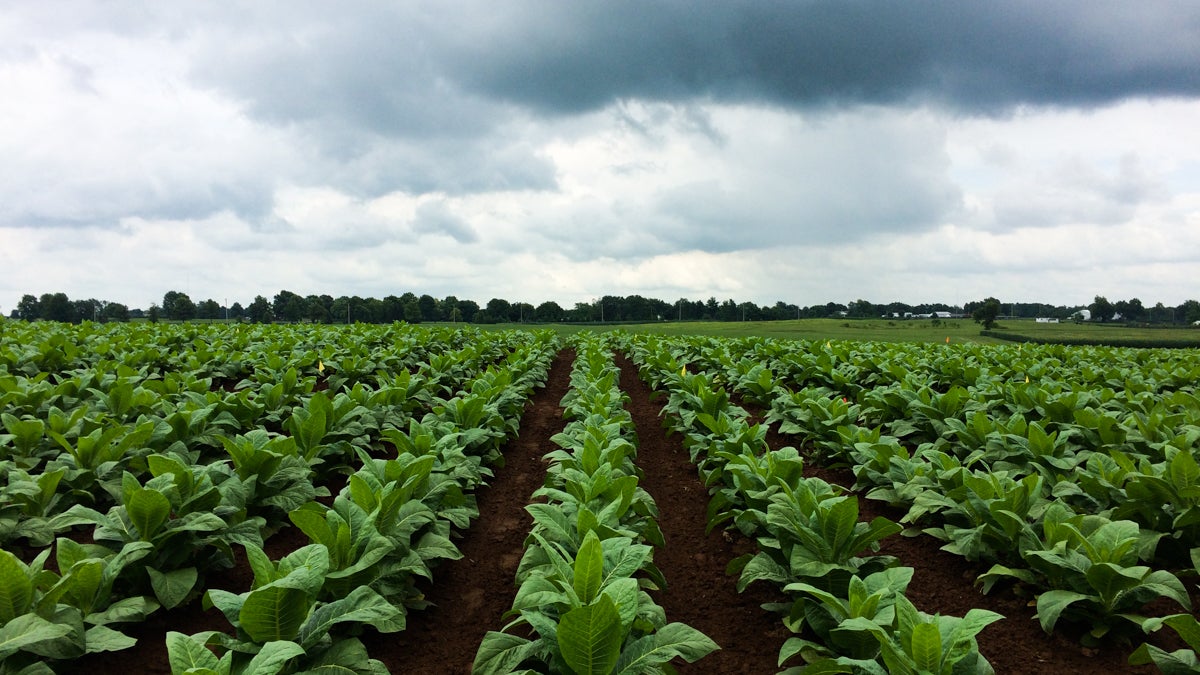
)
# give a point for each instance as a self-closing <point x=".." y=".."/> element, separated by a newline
<point x="698" y="591"/>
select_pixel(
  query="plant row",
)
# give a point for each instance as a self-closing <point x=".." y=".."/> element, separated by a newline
<point x="846" y="603"/>
<point x="582" y="582"/>
<point x="173" y="518"/>
<point x="384" y="531"/>
<point x="1088" y="509"/>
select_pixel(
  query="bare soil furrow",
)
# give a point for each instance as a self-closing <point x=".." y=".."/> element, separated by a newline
<point x="698" y="592"/>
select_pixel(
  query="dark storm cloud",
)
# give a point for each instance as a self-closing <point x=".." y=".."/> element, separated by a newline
<point x="461" y="74"/>
<point x="975" y="57"/>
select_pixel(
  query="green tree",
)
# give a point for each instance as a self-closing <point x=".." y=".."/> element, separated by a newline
<point x="521" y="311"/>
<point x="497" y="309"/>
<point x="412" y="312"/>
<point x="316" y="309"/>
<point x="87" y="310"/>
<point x="208" y="309"/>
<point x="288" y="306"/>
<point x="986" y="313"/>
<point x="428" y="306"/>
<point x="549" y="311"/>
<point x="863" y="309"/>
<point x="178" y="306"/>
<point x="1102" y="309"/>
<point x="1133" y="310"/>
<point x="28" y="308"/>
<point x="114" y="311"/>
<point x="1189" y="311"/>
<point x="259" y="311"/>
<point x="154" y="313"/>
<point x="236" y="311"/>
<point x="57" y="307"/>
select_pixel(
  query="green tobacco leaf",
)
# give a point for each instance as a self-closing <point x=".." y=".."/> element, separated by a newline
<point x="273" y="613"/>
<point x="501" y="653"/>
<point x="927" y="647"/>
<point x="1187" y="627"/>
<point x="348" y="655"/>
<point x="962" y="637"/>
<point x="672" y="640"/>
<point x="172" y="588"/>
<point x="589" y="568"/>
<point x="1050" y="606"/>
<point x="148" y="510"/>
<point x="272" y="658"/>
<point x="589" y="638"/>
<point x="186" y="653"/>
<point x="28" y="630"/>
<point x="128" y="610"/>
<point x="16" y="589"/>
<point x="105" y="639"/>
<point x="363" y="606"/>
<point x="1179" y="662"/>
<point x="624" y="594"/>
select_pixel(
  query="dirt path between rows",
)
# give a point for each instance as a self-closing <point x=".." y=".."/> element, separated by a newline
<point x="470" y="595"/>
<point x="698" y="592"/>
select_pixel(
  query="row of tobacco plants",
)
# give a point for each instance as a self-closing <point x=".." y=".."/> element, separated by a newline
<point x="588" y="563"/>
<point x="139" y="462"/>
<point x="846" y="603"/>
<point x="1068" y="474"/>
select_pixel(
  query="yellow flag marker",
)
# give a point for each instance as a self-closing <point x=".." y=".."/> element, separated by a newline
<point x="321" y="367"/>
<point x="1026" y="379"/>
<point x="683" y="371"/>
<point x="947" y="339"/>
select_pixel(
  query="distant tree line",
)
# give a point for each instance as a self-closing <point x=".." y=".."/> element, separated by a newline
<point x="292" y="307"/>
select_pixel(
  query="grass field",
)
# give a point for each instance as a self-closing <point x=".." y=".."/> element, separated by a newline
<point x="883" y="330"/>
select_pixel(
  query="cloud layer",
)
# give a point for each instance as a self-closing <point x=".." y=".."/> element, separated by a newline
<point x="806" y="151"/>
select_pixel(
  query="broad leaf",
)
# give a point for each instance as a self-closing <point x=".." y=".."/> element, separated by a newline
<point x="589" y="638"/>
<point x="16" y="589"/>
<point x="172" y="588"/>
<point x="589" y="568"/>
<point x="273" y="613"/>
<point x="27" y="630"/>
<point x="672" y="640"/>
<point x="186" y="653"/>
<point x="148" y="510"/>
<point x="501" y="653"/>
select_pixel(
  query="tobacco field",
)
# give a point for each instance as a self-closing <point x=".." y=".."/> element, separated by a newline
<point x="179" y="498"/>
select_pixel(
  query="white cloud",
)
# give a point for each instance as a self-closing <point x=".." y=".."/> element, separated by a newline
<point x="211" y="151"/>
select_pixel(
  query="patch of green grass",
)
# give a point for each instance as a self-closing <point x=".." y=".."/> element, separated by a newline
<point x="882" y="330"/>
<point x="1098" y="332"/>
<point x="877" y="330"/>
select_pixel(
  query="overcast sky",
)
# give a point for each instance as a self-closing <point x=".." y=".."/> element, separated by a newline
<point x="799" y="151"/>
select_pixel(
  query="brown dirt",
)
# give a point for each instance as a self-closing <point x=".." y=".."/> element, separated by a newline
<point x="471" y="595"/>
<point x="698" y="592"/>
